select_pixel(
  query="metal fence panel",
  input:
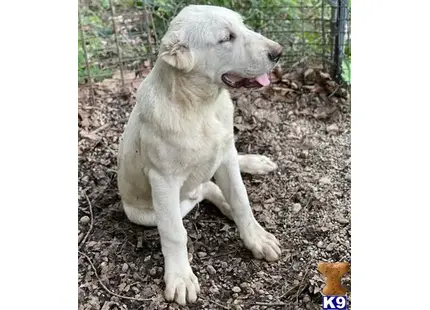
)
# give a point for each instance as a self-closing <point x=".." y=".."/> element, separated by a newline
<point x="117" y="36"/>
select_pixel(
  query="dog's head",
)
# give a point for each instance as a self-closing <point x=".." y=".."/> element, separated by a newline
<point x="215" y="42"/>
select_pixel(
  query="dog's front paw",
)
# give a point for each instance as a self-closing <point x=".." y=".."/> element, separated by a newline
<point x="262" y="243"/>
<point x="181" y="286"/>
<point x="256" y="164"/>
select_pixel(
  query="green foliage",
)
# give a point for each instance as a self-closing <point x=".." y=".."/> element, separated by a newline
<point x="94" y="47"/>
<point x="298" y="29"/>
<point x="346" y="70"/>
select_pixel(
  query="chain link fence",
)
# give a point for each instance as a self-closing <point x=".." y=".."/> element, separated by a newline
<point x="118" y="39"/>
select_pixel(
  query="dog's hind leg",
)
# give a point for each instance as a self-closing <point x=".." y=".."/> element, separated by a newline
<point x="146" y="216"/>
<point x="139" y="214"/>
<point x="256" y="164"/>
<point x="212" y="192"/>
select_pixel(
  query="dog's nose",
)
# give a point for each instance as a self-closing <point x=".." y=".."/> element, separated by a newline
<point x="275" y="53"/>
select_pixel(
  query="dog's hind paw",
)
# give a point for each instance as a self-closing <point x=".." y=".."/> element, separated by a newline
<point x="256" y="164"/>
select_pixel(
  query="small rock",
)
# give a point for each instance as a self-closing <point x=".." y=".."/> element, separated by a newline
<point x="342" y="220"/>
<point x="84" y="220"/>
<point x="139" y="242"/>
<point x="244" y="285"/>
<point x="202" y="254"/>
<point x="304" y="154"/>
<point x="306" y="299"/>
<point x="330" y="247"/>
<point x="325" y="180"/>
<point x="237" y="307"/>
<point x="214" y="290"/>
<point x="147" y="258"/>
<point x="297" y="207"/>
<point x="153" y="271"/>
<point x="224" y="265"/>
<point x="211" y="270"/>
<point x="236" y="289"/>
<point x="124" y="267"/>
<point x="348" y="177"/>
<point x="333" y="128"/>
<point x="320" y="244"/>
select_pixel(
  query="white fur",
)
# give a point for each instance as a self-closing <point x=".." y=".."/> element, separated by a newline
<point x="180" y="134"/>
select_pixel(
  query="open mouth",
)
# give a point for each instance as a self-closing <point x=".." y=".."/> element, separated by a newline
<point x="235" y="80"/>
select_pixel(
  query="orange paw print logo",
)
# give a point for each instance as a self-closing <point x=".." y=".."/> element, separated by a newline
<point x="333" y="273"/>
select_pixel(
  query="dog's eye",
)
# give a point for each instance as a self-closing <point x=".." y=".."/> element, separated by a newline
<point x="228" y="38"/>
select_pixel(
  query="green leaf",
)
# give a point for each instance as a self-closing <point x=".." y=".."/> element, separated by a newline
<point x="346" y="70"/>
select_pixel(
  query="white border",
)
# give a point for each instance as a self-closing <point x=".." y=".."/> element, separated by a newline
<point x="39" y="155"/>
<point x="390" y="159"/>
<point x="390" y="110"/>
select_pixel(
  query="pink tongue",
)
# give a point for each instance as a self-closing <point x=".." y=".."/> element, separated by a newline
<point x="263" y="79"/>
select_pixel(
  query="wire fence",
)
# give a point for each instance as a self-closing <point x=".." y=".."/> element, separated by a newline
<point x="119" y="39"/>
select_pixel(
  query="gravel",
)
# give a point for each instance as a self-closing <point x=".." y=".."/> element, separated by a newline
<point x="292" y="122"/>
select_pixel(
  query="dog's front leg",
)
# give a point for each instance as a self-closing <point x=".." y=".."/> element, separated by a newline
<point x="262" y="243"/>
<point x="181" y="283"/>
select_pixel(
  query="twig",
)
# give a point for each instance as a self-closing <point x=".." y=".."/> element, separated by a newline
<point x="301" y="282"/>
<point x="218" y="304"/>
<point x="104" y="286"/>
<point x="91" y="224"/>
<point x="100" y="128"/>
<point x="270" y="303"/>
<point x="299" y="62"/>
<point x="218" y="255"/>
<point x="337" y="88"/>
<point x="287" y="293"/>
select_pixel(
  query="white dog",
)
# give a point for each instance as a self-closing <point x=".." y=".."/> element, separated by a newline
<point x="180" y="134"/>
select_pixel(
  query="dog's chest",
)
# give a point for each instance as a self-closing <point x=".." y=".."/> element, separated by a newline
<point x="206" y="149"/>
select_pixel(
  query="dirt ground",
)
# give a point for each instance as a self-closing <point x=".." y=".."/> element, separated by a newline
<point x="302" y="122"/>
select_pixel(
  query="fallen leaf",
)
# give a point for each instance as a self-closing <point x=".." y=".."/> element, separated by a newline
<point x="271" y="116"/>
<point x="128" y="75"/>
<point x="242" y="127"/>
<point x="309" y="74"/>
<point x="89" y="135"/>
<point x="325" y="75"/>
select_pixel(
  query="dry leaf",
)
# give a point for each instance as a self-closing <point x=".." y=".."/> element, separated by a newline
<point x="325" y="75"/>
<point x="128" y="75"/>
<point x="271" y="116"/>
<point x="309" y="74"/>
<point x="89" y="135"/>
<point x="85" y="118"/>
<point x="241" y="127"/>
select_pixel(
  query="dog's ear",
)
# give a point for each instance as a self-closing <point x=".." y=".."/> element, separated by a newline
<point x="176" y="52"/>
